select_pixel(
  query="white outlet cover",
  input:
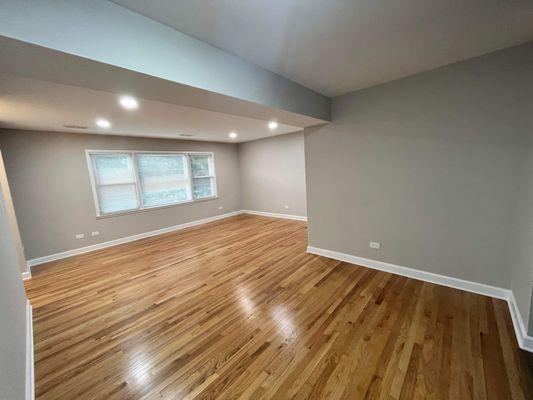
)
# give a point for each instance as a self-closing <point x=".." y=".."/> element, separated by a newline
<point x="286" y="207"/>
<point x="374" y="245"/>
<point x="80" y="235"/>
<point x="95" y="233"/>
<point x="220" y="208"/>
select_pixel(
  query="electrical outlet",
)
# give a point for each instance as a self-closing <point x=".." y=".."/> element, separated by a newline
<point x="286" y="207"/>
<point x="80" y="235"/>
<point x="374" y="245"/>
<point x="95" y="233"/>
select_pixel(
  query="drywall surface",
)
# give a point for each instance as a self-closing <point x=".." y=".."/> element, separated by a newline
<point x="12" y="315"/>
<point x="520" y="262"/>
<point x="273" y="175"/>
<point x="51" y="189"/>
<point x="105" y="32"/>
<point x="429" y="166"/>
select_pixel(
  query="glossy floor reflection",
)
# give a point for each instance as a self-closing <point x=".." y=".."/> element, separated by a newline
<point x="237" y="309"/>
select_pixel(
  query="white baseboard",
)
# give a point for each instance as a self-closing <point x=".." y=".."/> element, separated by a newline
<point x="26" y="275"/>
<point x="444" y="280"/>
<point x="30" y="371"/>
<point x="276" y="215"/>
<point x="103" y="245"/>
<point x="524" y="341"/>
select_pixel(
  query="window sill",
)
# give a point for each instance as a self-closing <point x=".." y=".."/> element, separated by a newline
<point x="121" y="213"/>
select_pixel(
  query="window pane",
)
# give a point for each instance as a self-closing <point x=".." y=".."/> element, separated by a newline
<point x="115" y="198"/>
<point x="164" y="179"/>
<point x="203" y="187"/>
<point x="112" y="168"/>
<point x="201" y="165"/>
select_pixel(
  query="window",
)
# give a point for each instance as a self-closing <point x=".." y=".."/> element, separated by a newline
<point x="203" y="176"/>
<point x="114" y="181"/>
<point x="164" y="179"/>
<point x="133" y="180"/>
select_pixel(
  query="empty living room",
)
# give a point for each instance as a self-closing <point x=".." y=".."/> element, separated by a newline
<point x="266" y="199"/>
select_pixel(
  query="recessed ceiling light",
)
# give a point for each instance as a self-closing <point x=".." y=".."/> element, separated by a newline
<point x="128" y="102"/>
<point x="103" y="123"/>
<point x="272" y="125"/>
<point x="232" y="135"/>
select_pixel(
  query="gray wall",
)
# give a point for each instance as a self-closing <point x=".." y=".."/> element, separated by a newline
<point x="273" y="174"/>
<point x="521" y="238"/>
<point x="530" y="328"/>
<point x="51" y="190"/>
<point x="12" y="315"/>
<point x="429" y="166"/>
<point x="102" y="31"/>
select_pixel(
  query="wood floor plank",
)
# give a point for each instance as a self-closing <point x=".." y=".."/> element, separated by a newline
<point x="236" y="309"/>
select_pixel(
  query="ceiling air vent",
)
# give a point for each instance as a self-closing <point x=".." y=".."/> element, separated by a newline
<point x="75" y="126"/>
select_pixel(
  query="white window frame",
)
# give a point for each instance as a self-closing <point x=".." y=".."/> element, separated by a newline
<point x="137" y="183"/>
<point x="212" y="176"/>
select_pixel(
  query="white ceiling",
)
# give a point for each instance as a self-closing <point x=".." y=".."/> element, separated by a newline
<point x="42" y="105"/>
<point x="337" y="46"/>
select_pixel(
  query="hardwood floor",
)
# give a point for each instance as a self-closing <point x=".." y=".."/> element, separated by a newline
<point x="237" y="309"/>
